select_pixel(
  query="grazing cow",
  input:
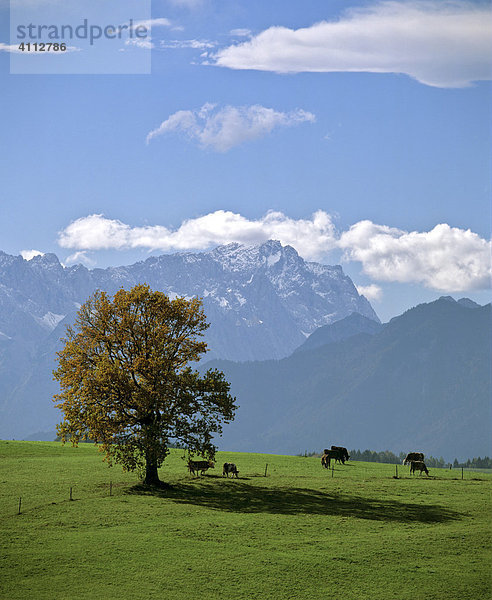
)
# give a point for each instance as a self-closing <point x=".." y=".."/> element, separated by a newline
<point x="197" y="467"/>
<point x="337" y="453"/>
<point x="418" y="465"/>
<point x="229" y="468"/>
<point x="343" y="452"/>
<point x="328" y="455"/>
<point x="413" y="456"/>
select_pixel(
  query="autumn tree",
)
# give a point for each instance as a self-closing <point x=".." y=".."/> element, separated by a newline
<point x="126" y="380"/>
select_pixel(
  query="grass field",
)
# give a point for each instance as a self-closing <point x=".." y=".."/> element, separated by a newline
<point x="301" y="532"/>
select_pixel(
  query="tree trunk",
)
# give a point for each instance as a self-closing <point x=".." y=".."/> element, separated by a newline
<point x="151" y="474"/>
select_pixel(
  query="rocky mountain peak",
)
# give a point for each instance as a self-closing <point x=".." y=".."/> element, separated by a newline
<point x="261" y="300"/>
<point x="245" y="258"/>
<point x="46" y="263"/>
<point x="468" y="303"/>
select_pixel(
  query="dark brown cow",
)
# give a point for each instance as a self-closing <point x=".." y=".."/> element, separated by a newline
<point x="197" y="467"/>
<point x="229" y="468"/>
<point x="418" y="465"/>
<point x="343" y="453"/>
<point x="413" y="456"/>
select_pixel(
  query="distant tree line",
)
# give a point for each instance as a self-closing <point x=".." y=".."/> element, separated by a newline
<point x="390" y="457"/>
<point x="474" y="463"/>
<point x="384" y="456"/>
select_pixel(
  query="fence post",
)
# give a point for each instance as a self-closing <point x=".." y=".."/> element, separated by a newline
<point x="71" y="494"/>
<point x="396" y="466"/>
<point x="266" y="467"/>
<point x="20" y="502"/>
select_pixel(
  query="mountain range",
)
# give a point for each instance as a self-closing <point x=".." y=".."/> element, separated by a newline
<point x="308" y="359"/>
<point x="421" y="382"/>
<point x="262" y="302"/>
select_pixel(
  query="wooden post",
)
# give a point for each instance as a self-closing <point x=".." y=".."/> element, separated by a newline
<point x="20" y="502"/>
<point x="396" y="467"/>
<point x="266" y="467"/>
<point x="71" y="494"/>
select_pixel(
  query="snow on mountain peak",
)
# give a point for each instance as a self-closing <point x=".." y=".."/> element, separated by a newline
<point x="243" y="257"/>
<point x="50" y="320"/>
<point x="273" y="259"/>
<point x="259" y="299"/>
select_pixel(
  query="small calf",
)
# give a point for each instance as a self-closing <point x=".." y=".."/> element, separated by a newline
<point x="418" y="465"/>
<point x="229" y="468"/>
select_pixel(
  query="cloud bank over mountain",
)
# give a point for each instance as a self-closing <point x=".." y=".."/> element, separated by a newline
<point x="311" y="237"/>
<point x="445" y="258"/>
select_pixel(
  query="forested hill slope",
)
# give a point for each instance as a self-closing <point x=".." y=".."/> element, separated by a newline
<point x="423" y="382"/>
<point x="340" y="330"/>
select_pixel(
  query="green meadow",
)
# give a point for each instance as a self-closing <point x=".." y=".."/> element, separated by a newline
<point x="300" y="532"/>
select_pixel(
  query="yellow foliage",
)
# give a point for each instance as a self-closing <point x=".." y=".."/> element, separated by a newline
<point x="126" y="380"/>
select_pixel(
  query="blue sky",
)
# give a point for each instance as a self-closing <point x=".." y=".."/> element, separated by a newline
<point x="256" y="116"/>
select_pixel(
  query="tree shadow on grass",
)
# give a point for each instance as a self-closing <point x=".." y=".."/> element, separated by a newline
<point x="244" y="498"/>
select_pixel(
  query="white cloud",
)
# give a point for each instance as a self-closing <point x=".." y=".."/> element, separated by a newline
<point x="195" y="44"/>
<point x="9" y="47"/>
<point x="145" y="43"/>
<point x="439" y="43"/>
<point x="80" y="257"/>
<point x="240" y="32"/>
<point x="28" y="254"/>
<point x="222" y="129"/>
<point x="312" y="237"/>
<point x="14" y="48"/>
<point x="371" y="292"/>
<point x="149" y="23"/>
<point x="445" y="258"/>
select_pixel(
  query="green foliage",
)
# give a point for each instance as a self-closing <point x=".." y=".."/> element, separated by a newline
<point x="126" y="381"/>
<point x="389" y="457"/>
<point x="381" y="457"/>
<point x="474" y="463"/>
<point x="297" y="533"/>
